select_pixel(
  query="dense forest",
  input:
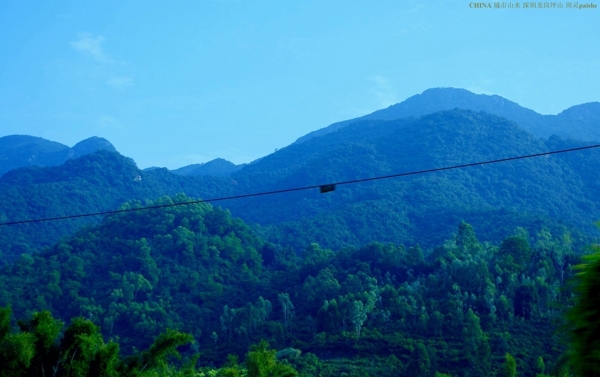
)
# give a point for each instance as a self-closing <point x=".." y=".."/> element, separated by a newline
<point x="463" y="308"/>
<point x="101" y="181"/>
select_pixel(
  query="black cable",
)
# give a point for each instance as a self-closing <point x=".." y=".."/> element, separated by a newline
<point x="324" y="188"/>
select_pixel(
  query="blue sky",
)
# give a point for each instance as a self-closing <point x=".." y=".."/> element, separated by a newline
<point x="181" y="82"/>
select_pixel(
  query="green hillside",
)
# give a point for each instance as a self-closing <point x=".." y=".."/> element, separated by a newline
<point x="372" y="310"/>
<point x="96" y="182"/>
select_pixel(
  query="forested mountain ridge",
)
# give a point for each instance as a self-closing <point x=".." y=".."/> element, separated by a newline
<point x="578" y="122"/>
<point x="381" y="308"/>
<point x="95" y="182"/>
<point x="558" y="191"/>
<point x="22" y="150"/>
<point x="519" y="193"/>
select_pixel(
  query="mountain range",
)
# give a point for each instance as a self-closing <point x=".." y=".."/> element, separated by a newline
<point x="581" y="122"/>
<point x="578" y="122"/>
<point x="497" y="197"/>
<point x="449" y="271"/>
<point x="558" y="192"/>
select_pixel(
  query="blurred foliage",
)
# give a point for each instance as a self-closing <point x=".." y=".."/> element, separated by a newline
<point x="584" y="316"/>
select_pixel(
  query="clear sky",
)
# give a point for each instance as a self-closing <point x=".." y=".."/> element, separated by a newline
<point x="171" y="83"/>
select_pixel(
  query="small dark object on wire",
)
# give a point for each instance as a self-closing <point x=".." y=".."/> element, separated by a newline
<point x="326" y="188"/>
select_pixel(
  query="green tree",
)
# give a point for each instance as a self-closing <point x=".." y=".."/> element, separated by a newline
<point x="231" y="368"/>
<point x="4" y="322"/>
<point x="436" y="323"/>
<point x="540" y="366"/>
<point x="476" y="346"/>
<point x="80" y="343"/>
<point x="262" y="362"/>
<point x="46" y="331"/>
<point x="287" y="307"/>
<point x="358" y="316"/>
<point x="164" y="346"/>
<point x="420" y="363"/>
<point x="328" y="317"/>
<point x="466" y="241"/>
<point x="16" y="350"/>
<point x="107" y="362"/>
<point x="510" y="366"/>
<point x="517" y="250"/>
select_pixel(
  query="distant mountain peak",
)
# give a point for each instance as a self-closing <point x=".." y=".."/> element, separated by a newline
<point x="451" y="92"/>
<point x="439" y="99"/>
<point x="218" y="167"/>
<point x="91" y="145"/>
<point x="460" y="94"/>
<point x="24" y="150"/>
<point x="580" y="122"/>
<point x="585" y="110"/>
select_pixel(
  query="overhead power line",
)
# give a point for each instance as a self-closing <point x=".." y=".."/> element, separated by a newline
<point x="324" y="188"/>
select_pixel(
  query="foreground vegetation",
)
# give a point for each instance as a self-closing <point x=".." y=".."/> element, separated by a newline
<point x="40" y="348"/>
<point x="382" y="309"/>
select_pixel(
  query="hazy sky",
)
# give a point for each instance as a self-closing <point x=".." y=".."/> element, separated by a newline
<point x="171" y="83"/>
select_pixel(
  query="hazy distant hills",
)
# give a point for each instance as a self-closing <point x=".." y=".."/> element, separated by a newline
<point x="579" y="122"/>
<point x="22" y="150"/>
<point x="217" y="168"/>
<point x="558" y="192"/>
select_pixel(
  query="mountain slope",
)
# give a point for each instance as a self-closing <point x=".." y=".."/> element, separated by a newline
<point x="579" y="122"/>
<point x="22" y="150"/>
<point x="549" y="190"/>
<point x="171" y="267"/>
